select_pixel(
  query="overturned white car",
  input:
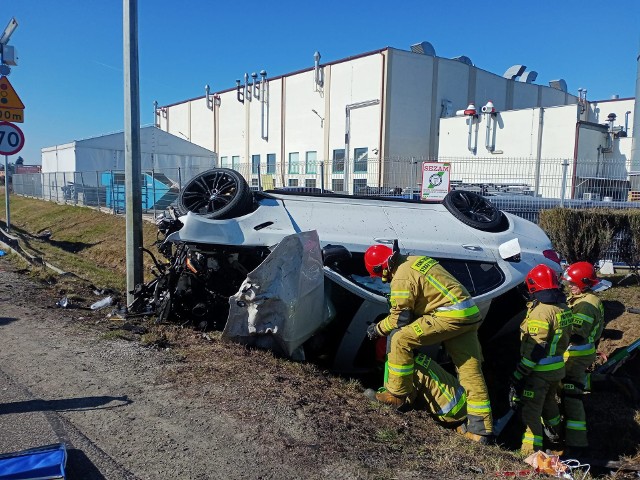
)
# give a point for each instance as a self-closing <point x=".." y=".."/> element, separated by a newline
<point x="312" y="297"/>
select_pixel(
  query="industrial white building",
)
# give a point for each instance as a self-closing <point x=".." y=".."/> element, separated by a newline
<point x="367" y="117"/>
<point x="572" y="151"/>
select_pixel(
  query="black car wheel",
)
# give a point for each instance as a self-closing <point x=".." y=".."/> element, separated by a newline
<point x="473" y="210"/>
<point x="217" y="193"/>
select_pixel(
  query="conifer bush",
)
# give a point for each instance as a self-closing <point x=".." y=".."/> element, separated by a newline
<point x="581" y="234"/>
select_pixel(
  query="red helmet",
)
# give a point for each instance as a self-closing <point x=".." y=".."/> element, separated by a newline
<point x="376" y="259"/>
<point x="541" y="277"/>
<point x="581" y="274"/>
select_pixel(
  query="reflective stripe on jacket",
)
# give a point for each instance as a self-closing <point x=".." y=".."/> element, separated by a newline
<point x="421" y="286"/>
<point x="544" y="335"/>
<point x="588" y="322"/>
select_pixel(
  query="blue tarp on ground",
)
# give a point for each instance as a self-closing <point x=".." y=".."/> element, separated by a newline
<point x="42" y="463"/>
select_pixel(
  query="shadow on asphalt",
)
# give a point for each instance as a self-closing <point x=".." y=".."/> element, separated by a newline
<point x="67" y="404"/>
<point x="79" y="467"/>
<point x="6" y="321"/>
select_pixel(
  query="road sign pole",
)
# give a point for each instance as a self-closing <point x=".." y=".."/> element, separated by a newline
<point x="6" y="190"/>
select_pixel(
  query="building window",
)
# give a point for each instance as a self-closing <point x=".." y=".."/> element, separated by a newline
<point x="255" y="164"/>
<point x="254" y="182"/>
<point x="359" y="186"/>
<point x="360" y="155"/>
<point x="338" y="160"/>
<point x="293" y="182"/>
<point x="310" y="182"/>
<point x="311" y="162"/>
<point x="294" y="162"/>
<point x="337" y="185"/>
<point x="235" y="162"/>
<point x="224" y="162"/>
<point x="271" y="163"/>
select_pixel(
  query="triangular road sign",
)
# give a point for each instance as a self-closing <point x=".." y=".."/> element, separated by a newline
<point x="8" y="96"/>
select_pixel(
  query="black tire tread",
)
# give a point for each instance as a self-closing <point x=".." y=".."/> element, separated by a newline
<point x="240" y="204"/>
<point x="481" y="214"/>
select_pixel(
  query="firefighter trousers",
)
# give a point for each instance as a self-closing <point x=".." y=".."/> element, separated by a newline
<point x="460" y="339"/>
<point x="573" y="387"/>
<point x="538" y="401"/>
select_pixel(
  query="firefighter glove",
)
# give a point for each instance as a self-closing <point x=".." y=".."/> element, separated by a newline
<point x="374" y="332"/>
<point x="514" y="397"/>
<point x="516" y="385"/>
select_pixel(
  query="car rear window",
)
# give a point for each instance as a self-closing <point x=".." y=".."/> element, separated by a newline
<point x="477" y="277"/>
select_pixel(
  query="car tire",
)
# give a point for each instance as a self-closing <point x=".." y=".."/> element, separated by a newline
<point x="218" y="193"/>
<point x="473" y="210"/>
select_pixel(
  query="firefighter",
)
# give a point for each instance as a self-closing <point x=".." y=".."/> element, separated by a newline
<point x="429" y="306"/>
<point x="588" y="322"/>
<point x="544" y="335"/>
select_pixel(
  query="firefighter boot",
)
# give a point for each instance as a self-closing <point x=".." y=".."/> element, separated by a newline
<point x="384" y="396"/>
<point x="481" y="439"/>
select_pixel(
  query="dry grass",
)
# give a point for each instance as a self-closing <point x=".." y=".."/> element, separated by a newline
<point x="84" y="241"/>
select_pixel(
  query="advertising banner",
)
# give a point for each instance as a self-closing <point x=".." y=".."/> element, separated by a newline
<point x="436" y="181"/>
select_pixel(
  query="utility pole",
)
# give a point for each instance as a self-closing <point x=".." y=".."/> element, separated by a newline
<point x="133" y="170"/>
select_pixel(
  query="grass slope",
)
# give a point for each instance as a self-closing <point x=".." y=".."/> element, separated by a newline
<point x="84" y="241"/>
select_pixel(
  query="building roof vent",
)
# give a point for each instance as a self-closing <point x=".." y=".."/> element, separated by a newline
<point x="464" y="59"/>
<point x="424" y="48"/>
<point x="514" y="71"/>
<point x="529" y="77"/>
<point x="559" y="84"/>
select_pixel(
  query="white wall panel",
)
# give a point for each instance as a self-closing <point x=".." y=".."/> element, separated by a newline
<point x="201" y="124"/>
<point x="352" y="82"/>
<point x="178" y="117"/>
<point x="232" y="127"/>
<point x="408" y="123"/>
<point x="490" y="87"/>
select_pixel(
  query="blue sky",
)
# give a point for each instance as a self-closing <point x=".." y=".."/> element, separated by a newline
<point x="70" y="74"/>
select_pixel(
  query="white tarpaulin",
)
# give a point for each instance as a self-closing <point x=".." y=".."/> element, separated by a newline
<point x="281" y="303"/>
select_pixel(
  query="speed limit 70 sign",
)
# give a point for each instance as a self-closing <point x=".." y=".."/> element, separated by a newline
<point x="11" y="138"/>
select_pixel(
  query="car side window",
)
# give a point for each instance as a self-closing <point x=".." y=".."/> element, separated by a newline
<point x="477" y="277"/>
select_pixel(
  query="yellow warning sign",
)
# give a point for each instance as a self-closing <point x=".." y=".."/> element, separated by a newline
<point x="8" y="96"/>
<point x="13" y="115"/>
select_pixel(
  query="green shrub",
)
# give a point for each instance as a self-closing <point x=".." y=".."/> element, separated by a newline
<point x="581" y="235"/>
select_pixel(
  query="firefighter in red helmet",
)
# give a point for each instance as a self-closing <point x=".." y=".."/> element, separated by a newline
<point x="544" y="335"/>
<point x="588" y="322"/>
<point x="429" y="306"/>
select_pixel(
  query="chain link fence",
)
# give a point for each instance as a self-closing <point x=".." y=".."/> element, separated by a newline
<point x="523" y="186"/>
<point x="104" y="189"/>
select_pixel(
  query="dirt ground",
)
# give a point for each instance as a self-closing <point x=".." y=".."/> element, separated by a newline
<point x="135" y="401"/>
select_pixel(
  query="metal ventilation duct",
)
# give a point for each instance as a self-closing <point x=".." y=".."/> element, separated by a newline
<point x="559" y="84"/>
<point x="464" y="59"/>
<point x="529" y="77"/>
<point x="635" y="142"/>
<point x="424" y="48"/>
<point x="514" y="72"/>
